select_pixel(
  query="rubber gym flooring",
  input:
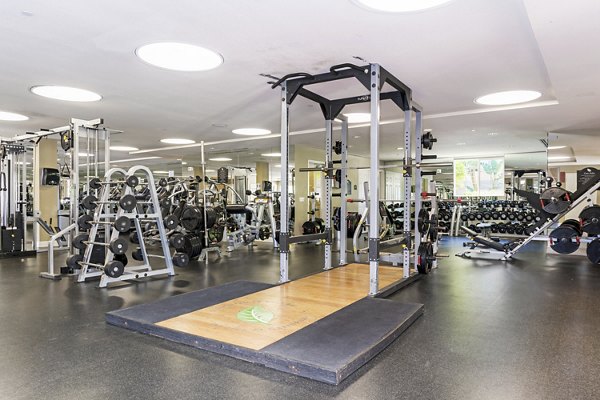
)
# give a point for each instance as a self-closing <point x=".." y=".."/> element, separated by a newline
<point x="529" y="329"/>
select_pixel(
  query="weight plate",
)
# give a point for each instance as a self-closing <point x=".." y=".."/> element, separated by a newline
<point x="191" y="218"/>
<point x="127" y="202"/>
<point x="114" y="269"/>
<point x="137" y="254"/>
<point x="425" y="257"/>
<point x="171" y="221"/>
<point x="132" y="181"/>
<point x="84" y="222"/>
<point x="133" y="237"/>
<point x="180" y="259"/>
<point x="121" y="258"/>
<point x="118" y="246"/>
<point x="593" y="251"/>
<point x="89" y="202"/>
<point x="555" y="200"/>
<point x="177" y="240"/>
<point x="74" y="260"/>
<point x="590" y="220"/>
<point x="122" y="224"/>
<point x="95" y="183"/>
<point x="563" y="239"/>
<point x="79" y="242"/>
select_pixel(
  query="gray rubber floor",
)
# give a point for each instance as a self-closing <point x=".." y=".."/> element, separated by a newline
<point x="491" y="330"/>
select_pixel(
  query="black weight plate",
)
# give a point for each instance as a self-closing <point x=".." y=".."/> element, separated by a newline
<point x="95" y="183"/>
<point x="132" y="181"/>
<point x="171" y="221"/>
<point x="114" y="269"/>
<point x="308" y="228"/>
<point x="563" y="239"/>
<point x="74" y="260"/>
<point x="177" y="240"/>
<point x="180" y="259"/>
<point x="84" y="222"/>
<point x="137" y="254"/>
<point x="122" y="224"/>
<point x="127" y="202"/>
<point x="89" y="202"/>
<point x="79" y="242"/>
<point x="121" y="258"/>
<point x="191" y="218"/>
<point x="133" y="237"/>
<point x="555" y="200"/>
<point x="575" y="224"/>
<point x="118" y="246"/>
<point x="590" y="220"/>
<point x="426" y="257"/>
<point x="593" y="251"/>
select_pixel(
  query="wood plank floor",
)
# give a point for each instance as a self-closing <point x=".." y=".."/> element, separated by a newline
<point x="293" y="305"/>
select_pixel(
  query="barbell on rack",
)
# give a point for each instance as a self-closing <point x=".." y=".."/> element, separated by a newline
<point x="121" y="224"/>
<point x="131" y="181"/>
<point x="179" y="259"/>
<point x="116" y="246"/>
<point x="127" y="202"/>
<point x="113" y="269"/>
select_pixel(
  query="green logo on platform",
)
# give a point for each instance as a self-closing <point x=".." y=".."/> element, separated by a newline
<point x="255" y="314"/>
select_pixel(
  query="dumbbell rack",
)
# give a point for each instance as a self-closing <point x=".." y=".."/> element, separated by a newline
<point x="103" y="213"/>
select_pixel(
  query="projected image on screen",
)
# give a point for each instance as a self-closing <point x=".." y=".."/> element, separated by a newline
<point x="479" y="177"/>
<point x="491" y="177"/>
<point x="466" y="178"/>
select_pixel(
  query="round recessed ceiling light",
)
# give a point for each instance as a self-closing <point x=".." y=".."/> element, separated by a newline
<point x="399" y="6"/>
<point x="9" y="116"/>
<point x="123" y="148"/>
<point x="177" y="141"/>
<point x="271" y="154"/>
<point x="356" y="118"/>
<point x="220" y="159"/>
<point x="508" y="97"/>
<point x="66" y="93"/>
<point x="251" y="131"/>
<point x="179" y="56"/>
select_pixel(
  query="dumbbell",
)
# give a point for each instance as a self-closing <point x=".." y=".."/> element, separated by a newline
<point x="179" y="259"/>
<point x="121" y="224"/>
<point x="117" y="246"/>
<point x="131" y="181"/>
<point x="127" y="202"/>
<point x="113" y="269"/>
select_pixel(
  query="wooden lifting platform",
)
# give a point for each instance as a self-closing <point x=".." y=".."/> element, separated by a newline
<point x="323" y="326"/>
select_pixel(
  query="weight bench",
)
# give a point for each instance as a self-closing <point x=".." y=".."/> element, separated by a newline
<point x="490" y="246"/>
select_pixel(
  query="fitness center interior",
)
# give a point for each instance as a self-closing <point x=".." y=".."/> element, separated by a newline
<point x="362" y="199"/>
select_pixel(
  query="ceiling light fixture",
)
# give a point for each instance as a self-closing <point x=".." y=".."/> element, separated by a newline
<point x="161" y="172"/>
<point x="357" y="118"/>
<point x="271" y="154"/>
<point x="556" y="147"/>
<point x="65" y="93"/>
<point x="10" y="116"/>
<point x="85" y="155"/>
<point x="220" y="159"/>
<point x="492" y="133"/>
<point x="177" y="141"/>
<point x="210" y="170"/>
<point x="399" y="6"/>
<point x="508" y="97"/>
<point x="136" y="159"/>
<point x="460" y="144"/>
<point x="251" y="131"/>
<point x="179" y="56"/>
<point x="123" y="148"/>
<point x="559" y="158"/>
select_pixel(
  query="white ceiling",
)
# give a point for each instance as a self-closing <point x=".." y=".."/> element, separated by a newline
<point x="448" y="56"/>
